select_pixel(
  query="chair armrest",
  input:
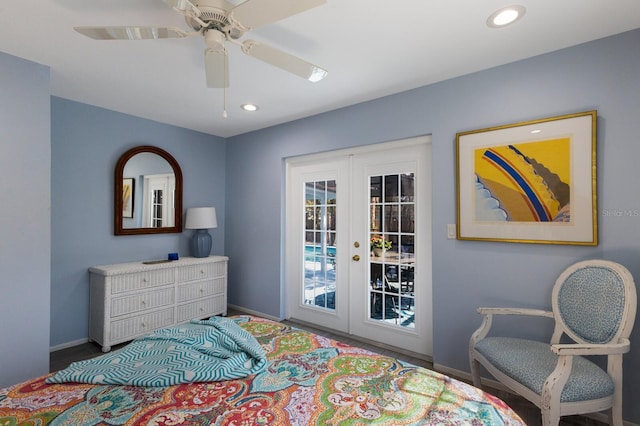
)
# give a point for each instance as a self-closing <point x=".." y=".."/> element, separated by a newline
<point x="488" y="313"/>
<point x="621" y="347"/>
<point x="515" y="311"/>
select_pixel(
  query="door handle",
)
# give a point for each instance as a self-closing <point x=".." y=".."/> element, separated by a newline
<point x="356" y="257"/>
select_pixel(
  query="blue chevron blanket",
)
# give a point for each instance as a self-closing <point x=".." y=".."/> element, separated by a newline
<point x="201" y="351"/>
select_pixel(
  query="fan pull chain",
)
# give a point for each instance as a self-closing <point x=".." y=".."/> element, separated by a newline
<point x="224" y="89"/>
<point x="224" y="97"/>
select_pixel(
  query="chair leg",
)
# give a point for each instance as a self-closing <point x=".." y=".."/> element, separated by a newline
<point x="550" y="417"/>
<point x="475" y="373"/>
<point x="615" y="416"/>
<point x="615" y="371"/>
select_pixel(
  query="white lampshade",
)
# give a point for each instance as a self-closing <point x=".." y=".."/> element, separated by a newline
<point x="201" y="218"/>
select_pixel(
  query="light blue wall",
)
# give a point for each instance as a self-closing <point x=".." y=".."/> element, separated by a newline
<point x="602" y="75"/>
<point x="86" y="143"/>
<point x="25" y="227"/>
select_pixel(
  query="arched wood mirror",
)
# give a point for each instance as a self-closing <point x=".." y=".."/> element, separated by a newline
<point x="147" y="192"/>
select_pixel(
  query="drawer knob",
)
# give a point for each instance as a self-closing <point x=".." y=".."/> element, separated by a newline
<point x="202" y="290"/>
<point x="143" y="325"/>
<point x="201" y="271"/>
<point x="143" y="303"/>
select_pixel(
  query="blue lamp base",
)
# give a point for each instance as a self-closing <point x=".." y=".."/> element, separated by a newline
<point x="201" y="243"/>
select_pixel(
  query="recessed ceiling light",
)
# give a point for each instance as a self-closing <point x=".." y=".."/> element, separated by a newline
<point x="249" y="107"/>
<point x="505" y="16"/>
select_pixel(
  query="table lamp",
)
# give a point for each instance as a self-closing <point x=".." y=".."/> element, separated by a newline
<point x="201" y="219"/>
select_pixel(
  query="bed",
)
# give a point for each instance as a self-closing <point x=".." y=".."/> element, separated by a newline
<point x="307" y="379"/>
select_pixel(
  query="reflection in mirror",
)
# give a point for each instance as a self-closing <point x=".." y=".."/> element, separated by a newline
<point x="148" y="192"/>
<point x="152" y="205"/>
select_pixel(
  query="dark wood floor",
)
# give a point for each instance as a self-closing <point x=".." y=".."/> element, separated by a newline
<point x="527" y="411"/>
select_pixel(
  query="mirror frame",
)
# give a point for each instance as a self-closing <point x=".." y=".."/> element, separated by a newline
<point x="118" y="229"/>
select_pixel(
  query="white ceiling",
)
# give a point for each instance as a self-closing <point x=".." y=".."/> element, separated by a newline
<point x="371" y="48"/>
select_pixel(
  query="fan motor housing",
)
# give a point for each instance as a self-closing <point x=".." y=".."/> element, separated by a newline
<point x="215" y="14"/>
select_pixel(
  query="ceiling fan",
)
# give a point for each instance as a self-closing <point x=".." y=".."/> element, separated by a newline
<point x="219" y="21"/>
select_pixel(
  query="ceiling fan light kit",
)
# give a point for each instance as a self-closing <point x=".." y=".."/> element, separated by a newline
<point x="218" y="21"/>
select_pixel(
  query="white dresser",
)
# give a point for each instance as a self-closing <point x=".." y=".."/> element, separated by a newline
<point x="128" y="300"/>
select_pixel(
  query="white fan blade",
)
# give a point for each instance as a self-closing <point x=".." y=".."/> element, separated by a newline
<point x="256" y="13"/>
<point x="284" y="60"/>
<point x="216" y="68"/>
<point x="183" y="6"/>
<point x="131" y="33"/>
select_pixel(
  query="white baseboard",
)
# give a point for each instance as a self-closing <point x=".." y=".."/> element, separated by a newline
<point x="464" y="376"/>
<point x="68" y="345"/>
<point x="254" y="313"/>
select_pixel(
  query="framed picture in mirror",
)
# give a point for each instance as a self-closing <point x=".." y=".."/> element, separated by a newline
<point x="128" y="195"/>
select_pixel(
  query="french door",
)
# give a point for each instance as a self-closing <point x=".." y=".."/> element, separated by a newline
<point x="358" y="242"/>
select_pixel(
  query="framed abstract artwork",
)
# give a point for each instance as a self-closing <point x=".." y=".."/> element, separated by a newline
<point x="529" y="182"/>
<point x="128" y="188"/>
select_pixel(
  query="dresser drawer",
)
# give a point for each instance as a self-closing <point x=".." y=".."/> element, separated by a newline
<point x="202" y="271"/>
<point x="142" y="301"/>
<point x="142" y="280"/>
<point x="202" y="308"/>
<point x="142" y="324"/>
<point x="200" y="289"/>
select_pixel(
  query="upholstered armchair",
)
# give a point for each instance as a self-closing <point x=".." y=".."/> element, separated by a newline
<point x="594" y="305"/>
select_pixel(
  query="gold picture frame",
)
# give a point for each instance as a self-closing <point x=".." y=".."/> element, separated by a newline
<point x="529" y="182"/>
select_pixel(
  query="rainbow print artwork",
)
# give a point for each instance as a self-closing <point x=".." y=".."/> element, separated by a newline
<point x="525" y="182"/>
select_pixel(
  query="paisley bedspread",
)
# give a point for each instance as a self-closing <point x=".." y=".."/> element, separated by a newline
<point x="309" y="380"/>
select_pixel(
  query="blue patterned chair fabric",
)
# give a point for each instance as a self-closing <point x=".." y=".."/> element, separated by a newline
<point x="591" y="303"/>
<point x="530" y="363"/>
<point x="594" y="305"/>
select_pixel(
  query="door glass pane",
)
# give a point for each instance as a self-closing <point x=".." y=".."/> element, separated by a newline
<point x="406" y="187"/>
<point x="376" y="189"/>
<point x="392" y="262"/>
<point x="407" y="218"/>
<point x="320" y="244"/>
<point x="156" y="208"/>
<point x="391" y="219"/>
<point x="391" y="188"/>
